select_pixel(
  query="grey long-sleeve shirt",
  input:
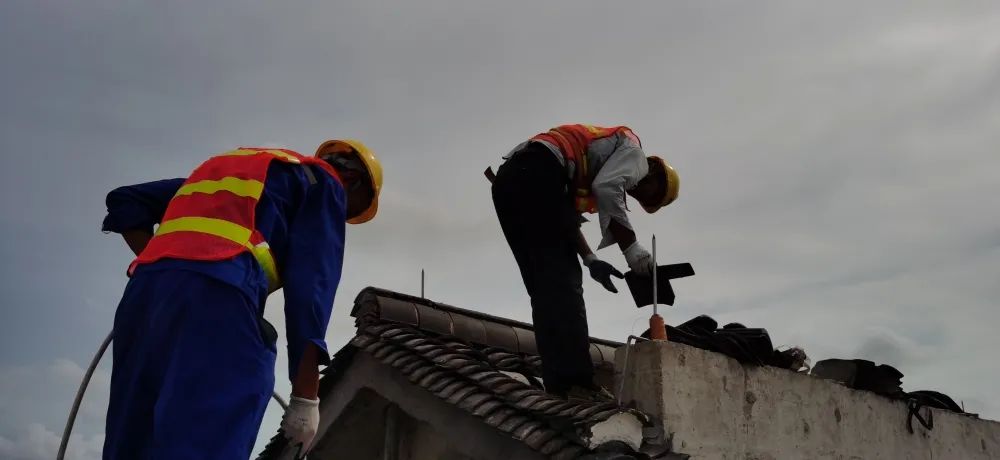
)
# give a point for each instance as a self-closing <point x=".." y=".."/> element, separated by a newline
<point x="618" y="163"/>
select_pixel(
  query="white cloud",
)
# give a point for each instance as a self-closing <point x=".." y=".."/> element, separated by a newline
<point x="65" y="369"/>
<point x="35" y="442"/>
<point x="40" y="396"/>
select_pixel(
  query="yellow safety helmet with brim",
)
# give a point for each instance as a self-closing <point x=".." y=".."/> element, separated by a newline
<point x="336" y="147"/>
<point x="673" y="185"/>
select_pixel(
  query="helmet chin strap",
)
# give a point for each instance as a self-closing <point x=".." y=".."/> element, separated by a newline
<point x="354" y="183"/>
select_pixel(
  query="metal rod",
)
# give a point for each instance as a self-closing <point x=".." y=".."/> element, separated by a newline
<point x="422" y="284"/>
<point x="621" y="384"/>
<point x="654" y="277"/>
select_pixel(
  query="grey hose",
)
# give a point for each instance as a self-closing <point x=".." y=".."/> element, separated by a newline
<point x="79" y="396"/>
<point x="83" y="388"/>
<point x="281" y="401"/>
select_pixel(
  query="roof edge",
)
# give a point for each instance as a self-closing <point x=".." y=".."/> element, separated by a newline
<point x="366" y="294"/>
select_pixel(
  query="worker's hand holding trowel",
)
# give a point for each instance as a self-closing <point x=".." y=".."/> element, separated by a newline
<point x="602" y="272"/>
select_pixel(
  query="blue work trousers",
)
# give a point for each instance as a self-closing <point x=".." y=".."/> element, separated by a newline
<point x="193" y="369"/>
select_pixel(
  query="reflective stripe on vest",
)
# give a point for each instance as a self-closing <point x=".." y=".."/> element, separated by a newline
<point x="573" y="142"/>
<point x="232" y="232"/>
<point x="286" y="155"/>
<point x="234" y="185"/>
<point x="211" y="217"/>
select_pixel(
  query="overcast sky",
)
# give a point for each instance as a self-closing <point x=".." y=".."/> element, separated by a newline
<point x="839" y="163"/>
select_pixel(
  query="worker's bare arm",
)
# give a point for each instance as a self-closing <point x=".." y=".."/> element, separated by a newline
<point x="137" y="239"/>
<point x="306" y="383"/>
<point x="623" y="235"/>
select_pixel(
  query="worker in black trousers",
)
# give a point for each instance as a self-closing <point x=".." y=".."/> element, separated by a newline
<point x="539" y="194"/>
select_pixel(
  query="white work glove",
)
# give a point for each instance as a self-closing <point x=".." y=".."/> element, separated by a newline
<point x="301" y="421"/>
<point x="639" y="259"/>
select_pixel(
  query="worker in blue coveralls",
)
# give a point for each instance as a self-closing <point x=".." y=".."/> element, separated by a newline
<point x="193" y="356"/>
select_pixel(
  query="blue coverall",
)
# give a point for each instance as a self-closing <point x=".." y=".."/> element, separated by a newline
<point x="193" y="357"/>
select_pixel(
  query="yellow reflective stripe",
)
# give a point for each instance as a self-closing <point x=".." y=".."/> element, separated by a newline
<point x="262" y="252"/>
<point x="218" y="227"/>
<point x="239" y="187"/>
<point x="247" y="152"/>
<point x="232" y="232"/>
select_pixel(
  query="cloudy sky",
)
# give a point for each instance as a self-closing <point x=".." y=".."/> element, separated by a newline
<point x="839" y="162"/>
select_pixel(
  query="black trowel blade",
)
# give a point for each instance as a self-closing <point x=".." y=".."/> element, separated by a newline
<point x="641" y="286"/>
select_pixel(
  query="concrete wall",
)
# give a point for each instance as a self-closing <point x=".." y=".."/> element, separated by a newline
<point x="353" y="422"/>
<point x="715" y="408"/>
<point x="359" y="434"/>
<point x="420" y="441"/>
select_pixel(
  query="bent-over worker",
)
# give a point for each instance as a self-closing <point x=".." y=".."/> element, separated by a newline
<point x="539" y="194"/>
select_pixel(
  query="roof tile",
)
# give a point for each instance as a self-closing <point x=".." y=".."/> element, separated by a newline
<point x="460" y="356"/>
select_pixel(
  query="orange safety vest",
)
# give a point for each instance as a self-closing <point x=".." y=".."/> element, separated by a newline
<point x="211" y="217"/>
<point x="573" y="141"/>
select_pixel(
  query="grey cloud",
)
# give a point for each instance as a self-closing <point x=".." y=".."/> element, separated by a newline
<point x="35" y="442"/>
<point x="42" y="394"/>
<point x="837" y="159"/>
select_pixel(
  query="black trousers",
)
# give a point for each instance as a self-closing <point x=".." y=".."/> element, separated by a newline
<point x="538" y="219"/>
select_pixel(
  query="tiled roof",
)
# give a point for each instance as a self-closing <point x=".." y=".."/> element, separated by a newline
<point x="473" y="379"/>
<point x="486" y="366"/>
<point x="470" y="326"/>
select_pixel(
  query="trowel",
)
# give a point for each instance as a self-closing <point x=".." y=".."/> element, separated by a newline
<point x="641" y="286"/>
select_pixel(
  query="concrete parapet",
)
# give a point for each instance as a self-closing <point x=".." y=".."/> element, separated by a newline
<point x="713" y="407"/>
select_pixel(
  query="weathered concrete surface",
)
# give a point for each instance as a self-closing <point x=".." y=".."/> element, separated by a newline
<point x="359" y="434"/>
<point x="420" y="441"/>
<point x="715" y="408"/>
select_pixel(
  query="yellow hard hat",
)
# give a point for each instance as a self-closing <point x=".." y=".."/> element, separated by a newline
<point x="672" y="189"/>
<point x="335" y="147"/>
